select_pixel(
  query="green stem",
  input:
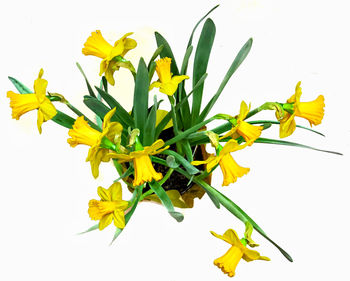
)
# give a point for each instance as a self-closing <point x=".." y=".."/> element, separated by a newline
<point x="167" y="175"/>
<point x="143" y="196"/>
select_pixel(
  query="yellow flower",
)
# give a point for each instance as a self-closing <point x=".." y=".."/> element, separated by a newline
<point x="230" y="169"/>
<point x="82" y="133"/>
<point x="249" y="132"/>
<point x="228" y="262"/>
<point x="313" y="111"/>
<point x="110" y="208"/>
<point x="144" y="171"/>
<point x="167" y="83"/>
<point x="97" y="46"/>
<point x="22" y="103"/>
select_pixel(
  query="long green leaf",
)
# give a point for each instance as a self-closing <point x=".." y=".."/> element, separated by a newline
<point x="155" y="55"/>
<point x="22" y="89"/>
<point x="140" y="109"/>
<point x="200" y="65"/>
<point x="91" y="92"/>
<point x="288" y="143"/>
<point x="167" y="52"/>
<point x="192" y="170"/>
<point x="96" y="106"/>
<point x="195" y="27"/>
<point x="121" y="114"/>
<point x="94" y="227"/>
<point x="236" y="63"/>
<point x="185" y="113"/>
<point x="277" y="123"/>
<point x="164" y="198"/>
<point x="63" y="119"/>
<point x="148" y="137"/>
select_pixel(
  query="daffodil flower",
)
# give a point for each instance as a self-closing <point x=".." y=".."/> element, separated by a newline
<point x="22" y="103"/>
<point x="241" y="128"/>
<point x="82" y="133"/>
<point x="230" y="169"/>
<point x="97" y="46"/>
<point x="167" y="83"/>
<point x="229" y="261"/>
<point x="312" y="111"/>
<point x="110" y="208"/>
<point x="144" y="171"/>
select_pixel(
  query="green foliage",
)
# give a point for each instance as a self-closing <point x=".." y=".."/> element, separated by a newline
<point x="140" y="110"/>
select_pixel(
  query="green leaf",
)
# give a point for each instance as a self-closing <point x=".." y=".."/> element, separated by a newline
<point x="141" y="97"/>
<point x="148" y="137"/>
<point x="288" y="143"/>
<point x="160" y="192"/>
<point x="91" y="92"/>
<point x="155" y="55"/>
<point x="121" y="114"/>
<point x="127" y="173"/>
<point x="96" y="106"/>
<point x="192" y="170"/>
<point x="151" y="70"/>
<point x="63" y="119"/>
<point x="201" y="60"/>
<point x="277" y="123"/>
<point x="94" y="227"/>
<point x="208" y="190"/>
<point x="185" y="113"/>
<point x="166" y="52"/>
<point x="22" y="89"/>
<point x="236" y="63"/>
<point x="195" y="27"/>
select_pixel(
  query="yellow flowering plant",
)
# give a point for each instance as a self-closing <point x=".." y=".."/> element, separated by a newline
<point x="160" y="156"/>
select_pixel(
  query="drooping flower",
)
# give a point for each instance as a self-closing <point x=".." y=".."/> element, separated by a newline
<point x="312" y="111"/>
<point x="167" y="83"/>
<point x="110" y="208"/>
<point x="241" y="128"/>
<point x="22" y="103"/>
<point x="228" y="262"/>
<point x="97" y="46"/>
<point x="144" y="170"/>
<point x="82" y="133"/>
<point x="229" y="167"/>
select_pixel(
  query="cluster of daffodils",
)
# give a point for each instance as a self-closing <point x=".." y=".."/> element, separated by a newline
<point x="160" y="156"/>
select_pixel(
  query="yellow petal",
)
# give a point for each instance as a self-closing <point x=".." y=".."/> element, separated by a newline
<point x="154" y="85"/>
<point x="160" y="114"/>
<point x="249" y="132"/>
<point x="104" y="194"/>
<point x="115" y="191"/>
<point x="40" y="87"/>
<point x="251" y="255"/>
<point x="230" y="236"/>
<point x="105" y="221"/>
<point x="244" y="109"/>
<point x="119" y="219"/>
<point x="287" y="125"/>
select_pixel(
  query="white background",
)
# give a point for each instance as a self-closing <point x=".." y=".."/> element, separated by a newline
<point x="299" y="197"/>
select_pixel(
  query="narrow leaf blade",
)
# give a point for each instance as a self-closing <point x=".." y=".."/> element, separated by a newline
<point x="242" y="54"/>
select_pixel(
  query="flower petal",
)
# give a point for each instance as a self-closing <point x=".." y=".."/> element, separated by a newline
<point x="105" y="221"/>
